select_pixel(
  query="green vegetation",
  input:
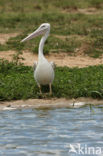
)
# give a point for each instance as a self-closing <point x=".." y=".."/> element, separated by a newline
<point x="77" y="23"/>
<point x="74" y="25"/>
<point x="17" y="82"/>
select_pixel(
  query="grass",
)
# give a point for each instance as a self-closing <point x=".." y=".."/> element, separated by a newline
<point x="39" y="5"/>
<point x="70" y="30"/>
<point x="65" y="19"/>
<point x="17" y="82"/>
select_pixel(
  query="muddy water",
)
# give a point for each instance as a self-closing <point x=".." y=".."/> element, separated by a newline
<point x="52" y="132"/>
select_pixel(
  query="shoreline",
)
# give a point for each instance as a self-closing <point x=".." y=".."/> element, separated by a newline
<point x="48" y="103"/>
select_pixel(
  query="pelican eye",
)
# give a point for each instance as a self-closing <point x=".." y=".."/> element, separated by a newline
<point x="43" y="26"/>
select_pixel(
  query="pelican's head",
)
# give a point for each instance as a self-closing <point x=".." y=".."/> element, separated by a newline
<point x="43" y="28"/>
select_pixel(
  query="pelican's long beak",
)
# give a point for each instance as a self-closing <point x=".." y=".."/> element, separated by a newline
<point x="38" y="32"/>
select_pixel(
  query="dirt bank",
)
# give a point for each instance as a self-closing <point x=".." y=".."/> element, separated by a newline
<point x="49" y="103"/>
<point x="61" y="59"/>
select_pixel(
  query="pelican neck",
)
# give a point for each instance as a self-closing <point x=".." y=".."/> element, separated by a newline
<point x="41" y="45"/>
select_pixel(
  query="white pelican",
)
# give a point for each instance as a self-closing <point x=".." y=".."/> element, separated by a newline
<point x="44" y="70"/>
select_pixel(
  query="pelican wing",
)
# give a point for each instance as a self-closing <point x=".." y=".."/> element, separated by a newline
<point x="53" y="64"/>
<point x="35" y="65"/>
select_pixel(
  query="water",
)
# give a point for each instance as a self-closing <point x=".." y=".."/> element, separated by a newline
<point x="35" y="132"/>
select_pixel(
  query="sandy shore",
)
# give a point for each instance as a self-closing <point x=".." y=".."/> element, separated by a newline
<point x="49" y="103"/>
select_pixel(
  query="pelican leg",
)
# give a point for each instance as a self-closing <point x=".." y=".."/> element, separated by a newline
<point x="40" y="88"/>
<point x="50" y="87"/>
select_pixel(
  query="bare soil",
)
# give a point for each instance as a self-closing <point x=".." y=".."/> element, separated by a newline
<point x="4" y="37"/>
<point x="60" y="59"/>
<point x="49" y="103"/>
<point x="87" y="11"/>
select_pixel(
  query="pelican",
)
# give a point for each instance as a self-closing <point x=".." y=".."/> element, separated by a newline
<point x="44" y="70"/>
